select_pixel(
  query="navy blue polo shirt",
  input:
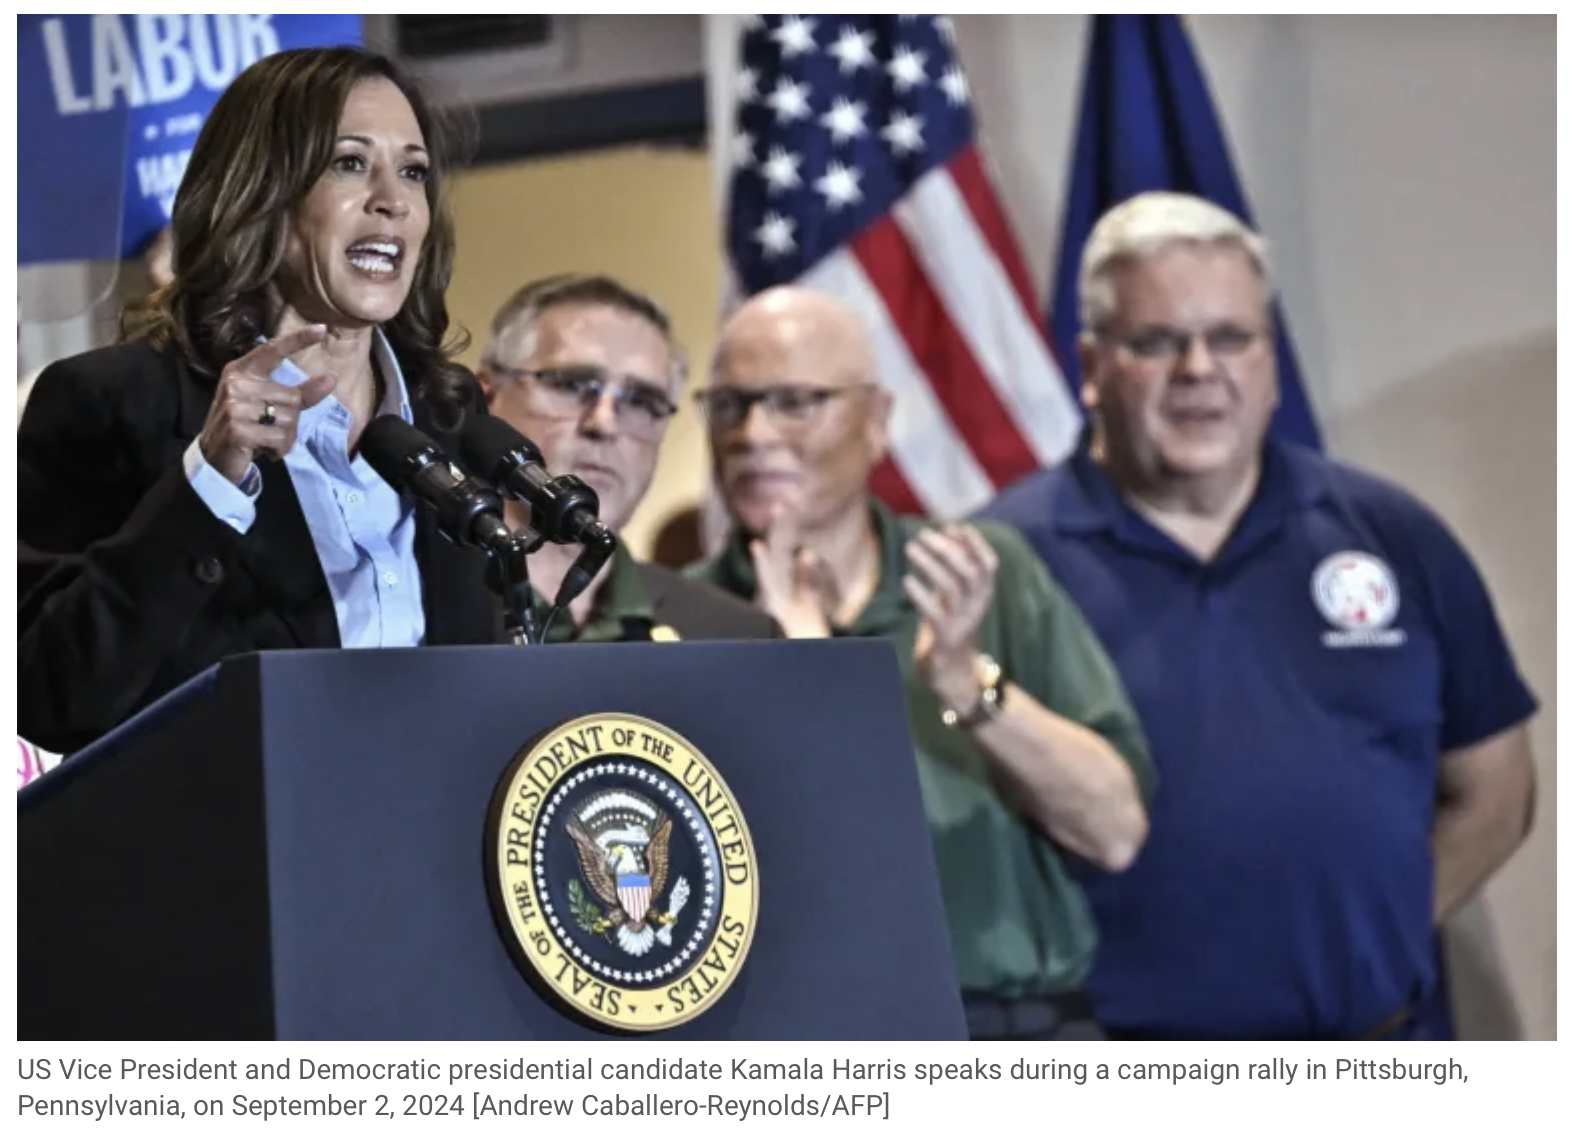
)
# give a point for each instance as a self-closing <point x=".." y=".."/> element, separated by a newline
<point x="1298" y="691"/>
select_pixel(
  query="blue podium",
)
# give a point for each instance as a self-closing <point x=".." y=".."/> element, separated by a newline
<point x="725" y="841"/>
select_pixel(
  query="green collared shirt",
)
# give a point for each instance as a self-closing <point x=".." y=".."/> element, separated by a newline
<point x="623" y="610"/>
<point x="1020" y="923"/>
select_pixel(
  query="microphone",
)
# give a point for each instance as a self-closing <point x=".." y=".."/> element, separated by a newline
<point x="469" y="513"/>
<point x="563" y="509"/>
<point x="594" y="554"/>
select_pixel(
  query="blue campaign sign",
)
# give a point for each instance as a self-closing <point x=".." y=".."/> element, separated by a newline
<point x="108" y="108"/>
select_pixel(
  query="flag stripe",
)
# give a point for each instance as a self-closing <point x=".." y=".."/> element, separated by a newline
<point x="926" y="449"/>
<point x="963" y="394"/>
<point x="970" y="177"/>
<point x="1012" y="363"/>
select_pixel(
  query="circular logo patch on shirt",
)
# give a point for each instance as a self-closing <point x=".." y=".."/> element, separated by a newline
<point x="622" y="873"/>
<point x="1357" y="593"/>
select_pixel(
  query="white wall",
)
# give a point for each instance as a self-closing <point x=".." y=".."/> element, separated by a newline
<point x="1404" y="170"/>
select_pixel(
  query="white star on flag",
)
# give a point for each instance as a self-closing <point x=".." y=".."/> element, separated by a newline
<point x="789" y="100"/>
<point x="794" y="36"/>
<point x="908" y="68"/>
<point x="903" y="133"/>
<point x="776" y="234"/>
<point x="846" y="120"/>
<point x="782" y="170"/>
<point x="852" y="49"/>
<point x="840" y="186"/>
<point x="957" y="87"/>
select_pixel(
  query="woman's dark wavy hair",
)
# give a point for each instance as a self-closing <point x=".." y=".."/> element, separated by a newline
<point x="263" y="147"/>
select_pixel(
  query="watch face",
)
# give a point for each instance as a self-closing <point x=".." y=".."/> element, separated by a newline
<point x="988" y="703"/>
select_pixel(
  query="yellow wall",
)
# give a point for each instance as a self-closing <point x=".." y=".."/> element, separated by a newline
<point x="645" y="216"/>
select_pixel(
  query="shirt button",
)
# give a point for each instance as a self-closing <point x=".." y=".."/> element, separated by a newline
<point x="208" y="570"/>
<point x="353" y="498"/>
<point x="391" y="579"/>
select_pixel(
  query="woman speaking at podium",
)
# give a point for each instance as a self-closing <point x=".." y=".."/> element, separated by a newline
<point x="195" y="491"/>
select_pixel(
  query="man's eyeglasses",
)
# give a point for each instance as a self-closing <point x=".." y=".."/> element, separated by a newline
<point x="641" y="408"/>
<point x="1224" y="342"/>
<point x="788" y="407"/>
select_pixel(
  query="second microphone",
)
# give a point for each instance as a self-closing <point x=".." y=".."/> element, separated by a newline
<point x="563" y="508"/>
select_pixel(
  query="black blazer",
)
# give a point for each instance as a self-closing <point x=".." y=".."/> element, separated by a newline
<point x="128" y="585"/>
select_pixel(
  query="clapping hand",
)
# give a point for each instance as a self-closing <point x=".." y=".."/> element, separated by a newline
<point x="950" y="581"/>
<point x="789" y="577"/>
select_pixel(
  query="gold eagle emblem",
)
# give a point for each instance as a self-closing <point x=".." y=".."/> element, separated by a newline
<point x="623" y="843"/>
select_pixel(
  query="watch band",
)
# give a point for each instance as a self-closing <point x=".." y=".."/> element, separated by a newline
<point x="988" y="704"/>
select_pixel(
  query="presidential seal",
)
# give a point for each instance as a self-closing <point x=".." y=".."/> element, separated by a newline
<point x="622" y="873"/>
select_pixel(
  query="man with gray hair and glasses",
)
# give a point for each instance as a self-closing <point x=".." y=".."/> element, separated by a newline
<point x="589" y="369"/>
<point x="1340" y="731"/>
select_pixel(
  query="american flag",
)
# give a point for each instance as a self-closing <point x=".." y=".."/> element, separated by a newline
<point x="856" y="171"/>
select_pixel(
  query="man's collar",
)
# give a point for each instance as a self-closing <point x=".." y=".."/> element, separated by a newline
<point x="1085" y="499"/>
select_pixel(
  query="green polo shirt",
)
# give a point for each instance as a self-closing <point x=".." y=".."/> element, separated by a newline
<point x="1019" y="922"/>
<point x="623" y="606"/>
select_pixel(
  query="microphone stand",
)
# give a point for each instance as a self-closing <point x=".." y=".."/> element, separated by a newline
<point x="507" y="578"/>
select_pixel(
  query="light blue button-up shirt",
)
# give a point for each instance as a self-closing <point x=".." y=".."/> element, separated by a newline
<point x="363" y="531"/>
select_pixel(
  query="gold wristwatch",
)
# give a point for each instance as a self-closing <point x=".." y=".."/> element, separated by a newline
<point x="989" y="703"/>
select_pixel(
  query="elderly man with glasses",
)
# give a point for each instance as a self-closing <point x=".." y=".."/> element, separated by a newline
<point x="1027" y="747"/>
<point x="588" y="369"/>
